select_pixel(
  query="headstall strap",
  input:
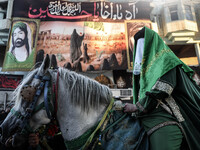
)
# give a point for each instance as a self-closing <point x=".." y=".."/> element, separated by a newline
<point x="38" y="77"/>
<point x="28" y="93"/>
<point x="34" y="101"/>
<point x="46" y="102"/>
<point x="56" y="93"/>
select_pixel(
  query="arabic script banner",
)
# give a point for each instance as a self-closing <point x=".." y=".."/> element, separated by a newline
<point x="85" y="11"/>
<point x="84" y="36"/>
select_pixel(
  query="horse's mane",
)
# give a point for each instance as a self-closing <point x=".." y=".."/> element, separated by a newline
<point x="85" y="92"/>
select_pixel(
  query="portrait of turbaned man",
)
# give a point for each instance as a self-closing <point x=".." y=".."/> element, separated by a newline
<point x="21" y="48"/>
<point x="21" y="41"/>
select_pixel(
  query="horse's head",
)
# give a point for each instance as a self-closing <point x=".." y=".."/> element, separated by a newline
<point x="27" y="114"/>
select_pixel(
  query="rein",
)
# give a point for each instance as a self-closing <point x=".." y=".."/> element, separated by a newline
<point x="95" y="131"/>
<point x="99" y="125"/>
<point x="89" y="133"/>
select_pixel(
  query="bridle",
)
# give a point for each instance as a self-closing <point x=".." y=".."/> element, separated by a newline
<point x="24" y="127"/>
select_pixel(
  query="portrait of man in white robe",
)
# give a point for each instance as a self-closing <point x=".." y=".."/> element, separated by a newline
<point x="21" y="47"/>
<point x="21" y="41"/>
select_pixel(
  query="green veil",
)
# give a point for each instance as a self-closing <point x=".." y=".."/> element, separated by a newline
<point x="157" y="60"/>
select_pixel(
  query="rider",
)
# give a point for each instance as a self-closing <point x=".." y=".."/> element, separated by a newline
<point x="166" y="99"/>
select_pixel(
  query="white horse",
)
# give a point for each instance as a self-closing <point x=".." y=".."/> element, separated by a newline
<point x="83" y="105"/>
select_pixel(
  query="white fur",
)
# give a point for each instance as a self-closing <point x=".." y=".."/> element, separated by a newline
<point x="81" y="102"/>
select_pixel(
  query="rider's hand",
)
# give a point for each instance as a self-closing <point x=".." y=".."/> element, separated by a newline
<point x="33" y="139"/>
<point x="130" y="108"/>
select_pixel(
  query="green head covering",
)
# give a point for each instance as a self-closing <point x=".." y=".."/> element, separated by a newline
<point x="157" y="60"/>
<point x="20" y="25"/>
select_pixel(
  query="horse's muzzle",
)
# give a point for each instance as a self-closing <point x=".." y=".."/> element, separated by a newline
<point x="12" y="140"/>
<point x="18" y="140"/>
<point x="0" y="131"/>
<point x="2" y="136"/>
<point x="6" y="136"/>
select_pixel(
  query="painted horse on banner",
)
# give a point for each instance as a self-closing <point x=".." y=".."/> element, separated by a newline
<point x="85" y="112"/>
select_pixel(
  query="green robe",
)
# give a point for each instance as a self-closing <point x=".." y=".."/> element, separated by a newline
<point x="186" y="93"/>
<point x="11" y="63"/>
<point x="168" y="80"/>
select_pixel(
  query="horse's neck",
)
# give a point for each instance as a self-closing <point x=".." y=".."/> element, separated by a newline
<point x="72" y="121"/>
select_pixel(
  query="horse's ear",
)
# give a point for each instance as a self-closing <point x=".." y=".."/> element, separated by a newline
<point x="53" y="62"/>
<point x="45" y="64"/>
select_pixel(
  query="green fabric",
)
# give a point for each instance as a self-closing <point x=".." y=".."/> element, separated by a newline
<point x="84" y="140"/>
<point x="167" y="140"/>
<point x="80" y="141"/>
<point x="89" y="140"/>
<point x="187" y="96"/>
<point x="160" y="64"/>
<point x="11" y="63"/>
<point x="157" y="60"/>
<point x="19" y="25"/>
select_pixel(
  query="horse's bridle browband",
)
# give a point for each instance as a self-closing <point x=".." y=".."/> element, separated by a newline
<point x="44" y="85"/>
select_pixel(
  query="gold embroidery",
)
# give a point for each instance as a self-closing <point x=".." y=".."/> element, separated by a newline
<point x="175" y="109"/>
<point x="154" y="59"/>
<point x="163" y="125"/>
<point x="162" y="86"/>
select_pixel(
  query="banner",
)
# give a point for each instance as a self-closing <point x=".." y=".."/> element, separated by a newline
<point x="89" y="45"/>
<point x="21" y="48"/>
<point x="9" y="82"/>
<point x="81" y="11"/>
<point x="84" y="36"/>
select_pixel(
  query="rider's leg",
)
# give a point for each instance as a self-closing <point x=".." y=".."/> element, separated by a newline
<point x="166" y="138"/>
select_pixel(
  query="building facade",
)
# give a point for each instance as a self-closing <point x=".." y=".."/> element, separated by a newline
<point x="178" y="23"/>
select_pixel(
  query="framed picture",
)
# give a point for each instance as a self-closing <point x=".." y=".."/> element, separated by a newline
<point x="123" y="79"/>
<point x="131" y="28"/>
<point x="85" y="46"/>
<point x="21" y="47"/>
<point x="9" y="82"/>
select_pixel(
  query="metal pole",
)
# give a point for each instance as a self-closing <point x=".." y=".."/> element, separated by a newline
<point x="5" y="101"/>
<point x="197" y="50"/>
